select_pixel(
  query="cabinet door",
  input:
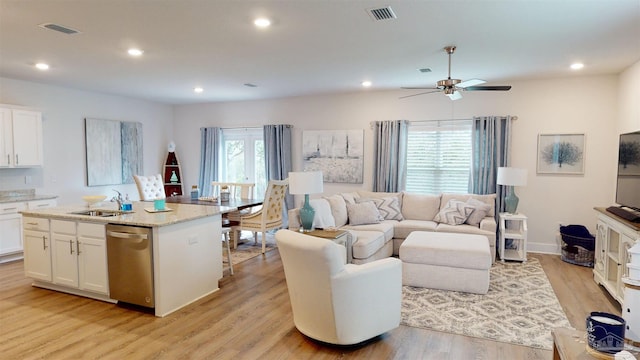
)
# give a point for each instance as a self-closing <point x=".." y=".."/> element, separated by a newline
<point x="625" y="258"/>
<point x="599" y="253"/>
<point x="37" y="255"/>
<point x="11" y="231"/>
<point x="92" y="264"/>
<point x="6" y="138"/>
<point x="27" y="138"/>
<point x="65" y="259"/>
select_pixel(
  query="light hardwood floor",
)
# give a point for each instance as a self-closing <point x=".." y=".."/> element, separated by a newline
<point x="249" y="318"/>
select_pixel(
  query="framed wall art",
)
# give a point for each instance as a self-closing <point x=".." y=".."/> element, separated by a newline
<point x="113" y="151"/>
<point x="561" y="154"/>
<point x="337" y="153"/>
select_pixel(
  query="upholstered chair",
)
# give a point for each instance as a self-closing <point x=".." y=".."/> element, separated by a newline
<point x="334" y="302"/>
<point x="271" y="214"/>
<point x="150" y="187"/>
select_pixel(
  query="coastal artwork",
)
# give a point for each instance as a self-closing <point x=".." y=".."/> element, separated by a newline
<point x="113" y="151"/>
<point x="337" y="153"/>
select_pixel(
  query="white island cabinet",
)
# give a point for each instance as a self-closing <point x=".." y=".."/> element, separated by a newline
<point x="79" y="255"/>
<point x="67" y="252"/>
<point x="11" y="247"/>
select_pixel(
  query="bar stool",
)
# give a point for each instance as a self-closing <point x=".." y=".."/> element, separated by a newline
<point x="225" y="241"/>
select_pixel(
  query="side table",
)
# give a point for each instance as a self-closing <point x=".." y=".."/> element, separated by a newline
<point x="513" y="227"/>
<point x="340" y="237"/>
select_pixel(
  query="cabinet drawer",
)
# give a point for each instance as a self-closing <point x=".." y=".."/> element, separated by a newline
<point x="92" y="230"/>
<point x="63" y="227"/>
<point x="33" y="223"/>
<point x="12" y="207"/>
<point x="41" y="204"/>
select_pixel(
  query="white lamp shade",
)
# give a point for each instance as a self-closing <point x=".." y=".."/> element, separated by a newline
<point x="512" y="176"/>
<point x="307" y="182"/>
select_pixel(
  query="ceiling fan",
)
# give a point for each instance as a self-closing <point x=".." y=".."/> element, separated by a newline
<point x="453" y="87"/>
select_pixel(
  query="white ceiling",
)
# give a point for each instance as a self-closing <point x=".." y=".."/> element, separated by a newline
<point x="312" y="47"/>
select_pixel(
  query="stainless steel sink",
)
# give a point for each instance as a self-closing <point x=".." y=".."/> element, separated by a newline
<point x="99" y="213"/>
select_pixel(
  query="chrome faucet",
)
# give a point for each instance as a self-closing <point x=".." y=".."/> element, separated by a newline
<point x="117" y="199"/>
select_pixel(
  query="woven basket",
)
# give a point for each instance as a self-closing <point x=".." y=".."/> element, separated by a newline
<point x="577" y="250"/>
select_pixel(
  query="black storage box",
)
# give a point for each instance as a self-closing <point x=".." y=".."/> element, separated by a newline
<point x="578" y="245"/>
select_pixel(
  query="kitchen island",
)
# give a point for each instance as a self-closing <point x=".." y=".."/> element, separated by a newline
<point x="67" y="252"/>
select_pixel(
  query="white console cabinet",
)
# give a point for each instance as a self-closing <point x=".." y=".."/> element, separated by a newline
<point x="614" y="237"/>
<point x="20" y="138"/>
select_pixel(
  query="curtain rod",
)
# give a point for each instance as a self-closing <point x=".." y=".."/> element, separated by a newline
<point x="464" y="119"/>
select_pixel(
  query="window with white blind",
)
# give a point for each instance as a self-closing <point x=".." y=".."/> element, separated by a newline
<point x="439" y="156"/>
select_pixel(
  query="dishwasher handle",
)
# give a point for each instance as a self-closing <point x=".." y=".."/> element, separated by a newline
<point x="121" y="235"/>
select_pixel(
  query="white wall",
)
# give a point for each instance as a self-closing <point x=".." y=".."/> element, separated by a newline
<point x="629" y="100"/>
<point x="585" y="105"/>
<point x="63" y="112"/>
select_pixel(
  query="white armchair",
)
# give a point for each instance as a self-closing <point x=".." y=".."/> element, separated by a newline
<point x="337" y="303"/>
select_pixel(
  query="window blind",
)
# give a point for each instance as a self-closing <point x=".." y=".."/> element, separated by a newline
<point x="439" y="157"/>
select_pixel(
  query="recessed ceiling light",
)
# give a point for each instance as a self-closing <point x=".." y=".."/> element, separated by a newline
<point x="366" y="83"/>
<point x="198" y="89"/>
<point x="135" y="52"/>
<point x="262" y="22"/>
<point x="577" y="66"/>
<point x="42" y="66"/>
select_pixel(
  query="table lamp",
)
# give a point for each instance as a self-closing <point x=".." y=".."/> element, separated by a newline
<point x="511" y="177"/>
<point x="308" y="182"/>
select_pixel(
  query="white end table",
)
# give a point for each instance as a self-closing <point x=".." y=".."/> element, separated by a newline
<point x="513" y="227"/>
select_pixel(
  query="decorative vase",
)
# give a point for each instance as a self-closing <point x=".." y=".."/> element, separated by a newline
<point x="174" y="177"/>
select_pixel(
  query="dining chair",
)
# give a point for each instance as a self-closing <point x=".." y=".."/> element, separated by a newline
<point x="269" y="217"/>
<point x="225" y="241"/>
<point x="150" y="187"/>
<point x="236" y="190"/>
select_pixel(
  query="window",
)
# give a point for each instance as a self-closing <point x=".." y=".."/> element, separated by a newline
<point x="439" y="157"/>
<point x="243" y="157"/>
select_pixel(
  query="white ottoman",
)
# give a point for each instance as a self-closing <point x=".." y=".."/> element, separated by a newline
<point x="446" y="261"/>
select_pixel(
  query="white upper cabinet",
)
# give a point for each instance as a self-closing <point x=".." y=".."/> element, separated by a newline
<point x="20" y="138"/>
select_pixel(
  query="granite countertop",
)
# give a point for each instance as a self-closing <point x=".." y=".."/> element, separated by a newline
<point x="139" y="216"/>
<point x="22" y="195"/>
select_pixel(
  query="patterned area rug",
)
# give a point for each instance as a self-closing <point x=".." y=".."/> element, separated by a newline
<point x="247" y="249"/>
<point x="520" y="308"/>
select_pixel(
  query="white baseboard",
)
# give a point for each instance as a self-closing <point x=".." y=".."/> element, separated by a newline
<point x="544" y="248"/>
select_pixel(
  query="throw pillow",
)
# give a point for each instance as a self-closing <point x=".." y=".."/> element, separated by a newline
<point x="350" y="198"/>
<point x="454" y="213"/>
<point x="322" y="218"/>
<point x="388" y="207"/>
<point x="363" y="213"/>
<point x="480" y="211"/>
<point x="338" y="209"/>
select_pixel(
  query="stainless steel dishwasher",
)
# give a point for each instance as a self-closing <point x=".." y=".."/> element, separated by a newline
<point x="130" y="264"/>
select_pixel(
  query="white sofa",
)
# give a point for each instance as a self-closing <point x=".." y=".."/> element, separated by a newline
<point x="399" y="214"/>
<point x="337" y="303"/>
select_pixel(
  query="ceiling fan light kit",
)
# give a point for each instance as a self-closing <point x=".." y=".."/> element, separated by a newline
<point x="453" y="87"/>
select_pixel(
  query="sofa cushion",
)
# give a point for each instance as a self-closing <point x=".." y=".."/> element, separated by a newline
<point x="388" y="207"/>
<point x="367" y="243"/>
<point x="363" y="213"/>
<point x="480" y="211"/>
<point x="489" y="199"/>
<point x="406" y="227"/>
<point x="454" y="213"/>
<point x="338" y="209"/>
<point x="350" y="198"/>
<point x="386" y="227"/>
<point x="419" y="206"/>
<point x="322" y="217"/>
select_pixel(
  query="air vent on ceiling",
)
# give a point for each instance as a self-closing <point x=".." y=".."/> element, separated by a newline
<point x="425" y="70"/>
<point x="384" y="13"/>
<point x="250" y="85"/>
<point x="59" y="28"/>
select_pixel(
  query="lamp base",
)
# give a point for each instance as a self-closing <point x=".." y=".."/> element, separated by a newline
<point x="306" y="215"/>
<point x="511" y="202"/>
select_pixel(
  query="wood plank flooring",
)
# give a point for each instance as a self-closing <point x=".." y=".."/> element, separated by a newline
<point x="249" y="318"/>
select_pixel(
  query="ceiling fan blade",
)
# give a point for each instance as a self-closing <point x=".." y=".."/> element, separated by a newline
<point x="455" y="96"/>
<point x="420" y="88"/>
<point x="422" y="93"/>
<point x="488" y="88"/>
<point x="470" y="82"/>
